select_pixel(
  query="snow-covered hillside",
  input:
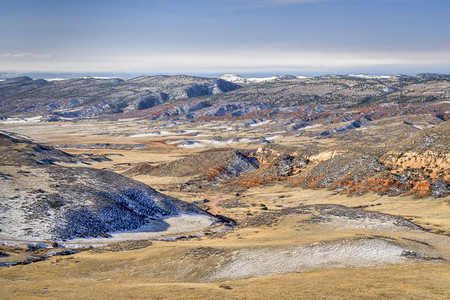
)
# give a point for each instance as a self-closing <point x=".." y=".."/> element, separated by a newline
<point x="43" y="201"/>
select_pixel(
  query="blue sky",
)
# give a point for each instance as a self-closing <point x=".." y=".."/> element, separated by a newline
<point x="225" y="36"/>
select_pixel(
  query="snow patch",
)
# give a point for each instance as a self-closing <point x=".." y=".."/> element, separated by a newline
<point x="155" y="133"/>
<point x="55" y="79"/>
<point x="215" y="143"/>
<point x="189" y="144"/>
<point x="242" y="80"/>
<point x="273" y="137"/>
<point x="365" y="76"/>
<point x="156" y="229"/>
<point x="253" y="263"/>
<point x="36" y="119"/>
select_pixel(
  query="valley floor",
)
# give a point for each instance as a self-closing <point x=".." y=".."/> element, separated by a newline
<point x="289" y="242"/>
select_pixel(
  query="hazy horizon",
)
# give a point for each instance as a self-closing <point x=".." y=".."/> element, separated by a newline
<point x="49" y="76"/>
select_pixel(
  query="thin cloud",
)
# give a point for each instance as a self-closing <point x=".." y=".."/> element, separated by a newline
<point x="244" y="61"/>
<point x="25" y="55"/>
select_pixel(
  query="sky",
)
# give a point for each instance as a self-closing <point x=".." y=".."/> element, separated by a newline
<point x="213" y="37"/>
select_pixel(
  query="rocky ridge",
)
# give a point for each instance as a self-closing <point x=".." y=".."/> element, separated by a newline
<point x="418" y="165"/>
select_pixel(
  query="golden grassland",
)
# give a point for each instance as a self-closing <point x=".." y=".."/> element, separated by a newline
<point x="167" y="270"/>
<point x="164" y="271"/>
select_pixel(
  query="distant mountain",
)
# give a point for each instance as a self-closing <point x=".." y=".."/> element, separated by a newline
<point x="191" y="97"/>
<point x="342" y="90"/>
<point x="85" y="97"/>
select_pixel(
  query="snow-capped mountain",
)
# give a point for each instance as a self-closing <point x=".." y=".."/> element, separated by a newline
<point x="244" y="80"/>
<point x="366" y="76"/>
<point x="234" y="78"/>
